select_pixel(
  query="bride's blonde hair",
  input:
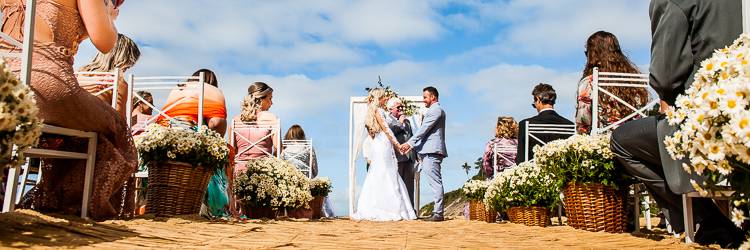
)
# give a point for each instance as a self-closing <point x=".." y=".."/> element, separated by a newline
<point x="373" y="104"/>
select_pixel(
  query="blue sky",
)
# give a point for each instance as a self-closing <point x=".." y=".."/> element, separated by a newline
<point x="483" y="56"/>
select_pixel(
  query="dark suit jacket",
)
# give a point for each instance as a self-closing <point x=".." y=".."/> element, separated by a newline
<point x="544" y="117"/>
<point x="684" y="33"/>
<point x="402" y="133"/>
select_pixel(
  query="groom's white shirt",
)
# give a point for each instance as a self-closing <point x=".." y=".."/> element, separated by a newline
<point x="430" y="138"/>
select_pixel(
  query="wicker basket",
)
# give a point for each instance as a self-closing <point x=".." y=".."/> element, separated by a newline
<point x="530" y="216"/>
<point x="317" y="207"/>
<point x="176" y="188"/>
<point x="477" y="211"/>
<point x="595" y="207"/>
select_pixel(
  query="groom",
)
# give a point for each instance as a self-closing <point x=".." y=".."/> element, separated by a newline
<point x="429" y="143"/>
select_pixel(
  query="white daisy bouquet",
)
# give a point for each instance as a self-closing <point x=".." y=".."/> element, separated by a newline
<point x="475" y="189"/>
<point x="20" y="125"/>
<point x="579" y="159"/>
<point x="714" y="123"/>
<point x="161" y="144"/>
<point x="271" y="182"/>
<point x="524" y="185"/>
<point x="320" y="186"/>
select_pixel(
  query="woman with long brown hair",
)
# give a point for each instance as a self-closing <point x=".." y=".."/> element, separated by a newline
<point x="603" y="51"/>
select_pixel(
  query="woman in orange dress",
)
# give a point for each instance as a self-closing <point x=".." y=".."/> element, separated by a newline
<point x="184" y="103"/>
<point x="61" y="25"/>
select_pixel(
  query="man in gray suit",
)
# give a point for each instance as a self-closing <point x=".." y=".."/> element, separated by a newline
<point x="685" y="32"/>
<point x="401" y="129"/>
<point x="429" y="143"/>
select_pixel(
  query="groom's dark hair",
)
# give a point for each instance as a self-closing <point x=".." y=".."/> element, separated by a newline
<point x="432" y="90"/>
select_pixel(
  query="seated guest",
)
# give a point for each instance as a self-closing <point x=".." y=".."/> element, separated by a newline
<point x="603" y="51"/>
<point x="544" y="103"/>
<point x="255" y="110"/>
<point x="185" y="112"/>
<point x="61" y="26"/>
<point x="683" y="35"/>
<point x="141" y="112"/>
<point x="296" y="154"/>
<point x="506" y="134"/>
<point x="300" y="157"/>
<point x="122" y="57"/>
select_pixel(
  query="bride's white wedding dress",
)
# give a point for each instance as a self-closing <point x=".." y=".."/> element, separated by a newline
<point x="383" y="196"/>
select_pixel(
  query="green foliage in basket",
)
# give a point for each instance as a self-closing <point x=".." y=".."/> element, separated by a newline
<point x="475" y="189"/>
<point x="524" y="185"/>
<point x="320" y="186"/>
<point x="271" y="182"/>
<point x="580" y="159"/>
<point x="161" y="144"/>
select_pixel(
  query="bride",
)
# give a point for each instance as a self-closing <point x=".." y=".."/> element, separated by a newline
<point x="383" y="196"/>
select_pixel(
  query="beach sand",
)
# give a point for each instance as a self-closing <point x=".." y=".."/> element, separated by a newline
<point x="30" y="229"/>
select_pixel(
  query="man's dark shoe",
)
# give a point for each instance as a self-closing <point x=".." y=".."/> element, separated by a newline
<point x="719" y="231"/>
<point x="435" y="218"/>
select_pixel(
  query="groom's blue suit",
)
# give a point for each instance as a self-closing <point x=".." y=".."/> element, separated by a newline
<point x="429" y="143"/>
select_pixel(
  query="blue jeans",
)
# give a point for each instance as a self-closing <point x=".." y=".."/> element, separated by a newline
<point x="431" y="164"/>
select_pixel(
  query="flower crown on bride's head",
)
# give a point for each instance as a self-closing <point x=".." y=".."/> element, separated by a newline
<point x="409" y="107"/>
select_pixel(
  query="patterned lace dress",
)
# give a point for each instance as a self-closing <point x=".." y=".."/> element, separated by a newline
<point x="62" y="102"/>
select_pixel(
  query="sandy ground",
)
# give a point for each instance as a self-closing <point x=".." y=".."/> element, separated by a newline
<point x="29" y="229"/>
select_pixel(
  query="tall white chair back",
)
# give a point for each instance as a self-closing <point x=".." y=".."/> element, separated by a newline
<point x="295" y="150"/>
<point x="498" y="152"/>
<point x="614" y="79"/>
<point x="164" y="84"/>
<point x="241" y="129"/>
<point x="25" y="54"/>
<point x="533" y="130"/>
<point x="107" y="79"/>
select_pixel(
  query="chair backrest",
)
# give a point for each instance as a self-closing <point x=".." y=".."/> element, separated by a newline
<point x="164" y="83"/>
<point x="300" y="148"/>
<point x="107" y="79"/>
<point x="557" y="131"/>
<point x="614" y="79"/>
<point x="498" y="151"/>
<point x="24" y="54"/>
<point x="240" y="130"/>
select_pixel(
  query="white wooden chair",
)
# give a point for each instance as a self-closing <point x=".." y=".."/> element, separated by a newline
<point x="687" y="207"/>
<point x="11" y="188"/>
<point x="614" y="79"/>
<point x="301" y="146"/>
<point x="498" y="151"/>
<point x="241" y="128"/>
<point x="107" y="79"/>
<point x="164" y="83"/>
<point x="533" y="130"/>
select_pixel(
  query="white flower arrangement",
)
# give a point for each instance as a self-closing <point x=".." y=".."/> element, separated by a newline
<point x="161" y="144"/>
<point x="320" y="186"/>
<point x="271" y="182"/>
<point x="475" y="189"/>
<point x="714" y="123"/>
<point x="20" y="125"/>
<point x="524" y="185"/>
<point x="580" y="159"/>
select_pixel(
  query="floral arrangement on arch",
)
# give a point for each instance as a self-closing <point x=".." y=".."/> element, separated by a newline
<point x="20" y="125"/>
<point x="409" y="108"/>
<point x="714" y="124"/>
<point x="271" y="182"/>
<point x="580" y="159"/>
<point x="524" y="185"/>
<point x="162" y="144"/>
<point x="320" y="186"/>
<point x="475" y="189"/>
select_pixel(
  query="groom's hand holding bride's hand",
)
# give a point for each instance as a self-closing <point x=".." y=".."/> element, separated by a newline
<point x="404" y="148"/>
